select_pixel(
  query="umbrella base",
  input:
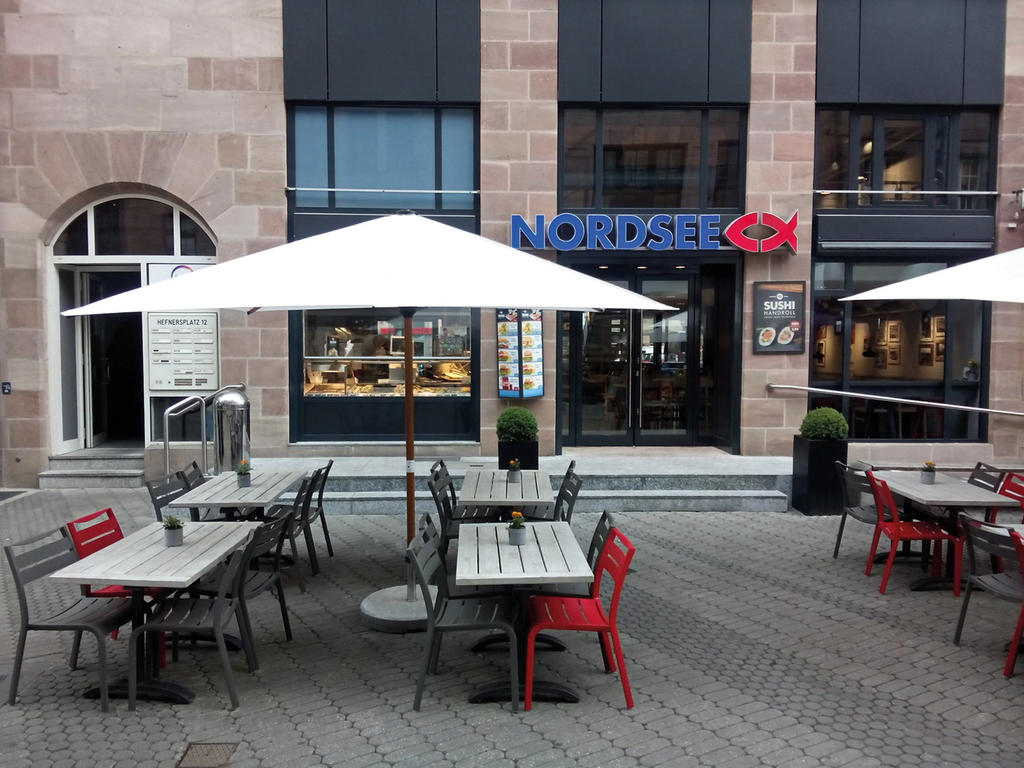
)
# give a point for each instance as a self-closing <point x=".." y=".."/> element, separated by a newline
<point x="390" y="610"/>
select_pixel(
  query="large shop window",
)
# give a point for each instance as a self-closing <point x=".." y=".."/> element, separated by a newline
<point x="876" y="159"/>
<point x="384" y="158"/>
<point x="651" y="158"/>
<point x="919" y="350"/>
<point x="360" y="353"/>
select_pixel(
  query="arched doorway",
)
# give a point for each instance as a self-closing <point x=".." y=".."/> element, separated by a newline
<point x="99" y="385"/>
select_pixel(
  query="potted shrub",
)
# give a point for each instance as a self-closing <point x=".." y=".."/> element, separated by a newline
<point x="820" y="444"/>
<point x="173" y="531"/>
<point x="517" y="438"/>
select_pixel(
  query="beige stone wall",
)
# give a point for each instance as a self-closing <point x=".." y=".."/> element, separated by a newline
<point x="518" y="164"/>
<point x="780" y="172"/>
<point x="105" y="97"/>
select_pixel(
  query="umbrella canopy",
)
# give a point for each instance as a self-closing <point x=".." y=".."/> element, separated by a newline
<point x="393" y="261"/>
<point x="993" y="278"/>
<point x="399" y="261"/>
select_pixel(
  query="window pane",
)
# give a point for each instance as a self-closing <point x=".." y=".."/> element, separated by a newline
<point x="940" y="179"/>
<point x="384" y="149"/>
<point x="579" y="136"/>
<point x="868" y="276"/>
<point x="904" y="159"/>
<point x="724" y="158"/>
<point x="829" y="275"/>
<point x="74" y="240"/>
<point x="865" y="173"/>
<point x="651" y="158"/>
<point x="833" y="164"/>
<point x="194" y="241"/>
<point x="134" y="227"/>
<point x="827" y="355"/>
<point x="975" y="136"/>
<point x="311" y="155"/>
<point x="458" y="157"/>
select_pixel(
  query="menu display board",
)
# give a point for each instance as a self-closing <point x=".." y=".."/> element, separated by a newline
<point x="182" y="348"/>
<point x="779" y="318"/>
<point x="520" y="353"/>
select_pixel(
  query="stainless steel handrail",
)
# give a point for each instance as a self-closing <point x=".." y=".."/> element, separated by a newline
<point x="885" y="398"/>
<point x="921" y="192"/>
<point x="184" y="406"/>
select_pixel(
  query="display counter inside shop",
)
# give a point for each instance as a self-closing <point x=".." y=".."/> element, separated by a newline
<point x="384" y="376"/>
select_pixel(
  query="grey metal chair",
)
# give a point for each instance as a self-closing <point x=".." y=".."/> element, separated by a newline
<point x="165" y="489"/>
<point x="319" y="511"/>
<point x="450" y="513"/>
<point x="999" y="543"/>
<point x="192" y="614"/>
<point x="565" y="501"/>
<point x="986" y="476"/>
<point x="37" y="557"/>
<point x="858" y="499"/>
<point x="447" y="613"/>
<point x="295" y="512"/>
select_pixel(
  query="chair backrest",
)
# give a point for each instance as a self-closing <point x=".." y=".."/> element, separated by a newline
<point x="885" y="503"/>
<point x="986" y="476"/>
<point x="424" y="555"/>
<point x="322" y="485"/>
<point x="993" y="540"/>
<point x="567" y="493"/>
<point x="192" y="476"/>
<point x="232" y="578"/>
<point x="601" y="533"/>
<point x="1013" y="486"/>
<point x="92" y="533"/>
<point x="303" y="498"/>
<point x="442" y="489"/>
<point x="855" y="484"/>
<point x="269" y="538"/>
<point x="163" y="490"/>
<point x="34" y="560"/>
<point x="616" y="555"/>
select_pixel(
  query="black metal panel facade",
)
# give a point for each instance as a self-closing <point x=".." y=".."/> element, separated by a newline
<point x="305" y="49"/>
<point x="382" y="50"/>
<point x="579" y="50"/>
<point x="838" y="76"/>
<point x="864" y="229"/>
<point x="653" y="51"/>
<point x="911" y="51"/>
<point x="984" y="51"/>
<point x="458" y="51"/>
<point x="729" y="51"/>
<point x="382" y="418"/>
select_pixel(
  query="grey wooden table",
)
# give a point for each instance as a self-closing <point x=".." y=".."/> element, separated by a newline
<point x="222" y="491"/>
<point x="490" y="487"/>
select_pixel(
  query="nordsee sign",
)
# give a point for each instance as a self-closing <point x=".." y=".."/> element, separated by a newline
<point x="661" y="232"/>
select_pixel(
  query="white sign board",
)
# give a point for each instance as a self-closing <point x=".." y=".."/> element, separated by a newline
<point x="182" y="349"/>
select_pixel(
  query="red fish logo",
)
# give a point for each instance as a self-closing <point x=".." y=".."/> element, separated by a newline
<point x="785" y="232"/>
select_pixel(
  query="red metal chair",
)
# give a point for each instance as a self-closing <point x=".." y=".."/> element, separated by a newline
<point x="1013" y="486"/>
<point x="587" y="614"/>
<point x="908" y="530"/>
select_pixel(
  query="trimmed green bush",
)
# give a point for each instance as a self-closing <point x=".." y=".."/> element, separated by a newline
<point x="824" y="424"/>
<point x="516" y="424"/>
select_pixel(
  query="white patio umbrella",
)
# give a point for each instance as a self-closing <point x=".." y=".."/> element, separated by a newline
<point x="993" y="278"/>
<point x="400" y="261"/>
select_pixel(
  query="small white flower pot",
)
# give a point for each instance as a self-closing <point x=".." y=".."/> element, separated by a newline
<point x="244" y="481"/>
<point x="517" y="536"/>
<point x="173" y="537"/>
<point x="514" y="475"/>
<point x="928" y="478"/>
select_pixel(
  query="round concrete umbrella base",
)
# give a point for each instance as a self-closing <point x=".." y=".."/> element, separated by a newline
<point x="390" y="610"/>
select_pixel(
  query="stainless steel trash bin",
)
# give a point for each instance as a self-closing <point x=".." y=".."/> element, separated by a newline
<point x="230" y="430"/>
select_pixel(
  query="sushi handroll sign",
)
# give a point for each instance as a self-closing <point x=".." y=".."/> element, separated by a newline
<point x="779" y="318"/>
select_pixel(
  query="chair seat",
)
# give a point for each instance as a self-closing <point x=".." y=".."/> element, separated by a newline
<point x="92" y="613"/>
<point x="184" y="612"/>
<point x="916" y="529"/>
<point x="1006" y="585"/>
<point x="473" y="613"/>
<point x="575" y="613"/>
<point x="256" y="583"/>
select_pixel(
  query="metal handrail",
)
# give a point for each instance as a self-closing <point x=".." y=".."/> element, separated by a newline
<point x="187" y="405"/>
<point x="885" y="398"/>
<point x="921" y="192"/>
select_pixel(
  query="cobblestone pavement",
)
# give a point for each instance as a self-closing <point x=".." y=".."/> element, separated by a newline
<point x="746" y="644"/>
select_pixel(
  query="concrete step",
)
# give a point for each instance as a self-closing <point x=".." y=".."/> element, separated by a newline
<point x="97" y="460"/>
<point x="91" y="478"/>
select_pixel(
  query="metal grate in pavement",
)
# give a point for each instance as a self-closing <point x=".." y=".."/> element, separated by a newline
<point x="207" y="755"/>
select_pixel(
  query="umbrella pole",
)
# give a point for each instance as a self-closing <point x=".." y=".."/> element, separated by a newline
<point x="410" y="449"/>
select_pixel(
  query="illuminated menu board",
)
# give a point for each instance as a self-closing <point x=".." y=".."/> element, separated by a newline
<point x="520" y="353"/>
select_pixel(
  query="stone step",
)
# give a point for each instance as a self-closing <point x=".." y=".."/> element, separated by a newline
<point x="101" y="461"/>
<point x="594" y="482"/>
<point x="91" y="478"/>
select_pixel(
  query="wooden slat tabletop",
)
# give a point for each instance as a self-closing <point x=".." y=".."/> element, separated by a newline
<point x="948" y="491"/>
<point x="490" y="487"/>
<point x="142" y="560"/>
<point x="551" y="555"/>
<point x="223" y="491"/>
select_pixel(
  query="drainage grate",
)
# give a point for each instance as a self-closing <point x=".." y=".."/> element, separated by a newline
<point x="207" y="755"/>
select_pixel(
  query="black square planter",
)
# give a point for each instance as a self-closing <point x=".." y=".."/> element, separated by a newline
<point x="524" y="450"/>
<point x="816" y="489"/>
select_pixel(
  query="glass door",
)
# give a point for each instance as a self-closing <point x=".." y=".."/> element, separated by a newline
<point x="606" y="396"/>
<point x="663" y="364"/>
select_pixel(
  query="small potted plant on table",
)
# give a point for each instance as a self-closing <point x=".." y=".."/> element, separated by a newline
<point x="242" y="474"/>
<point x="928" y="473"/>
<point x="517" y="529"/>
<point x="173" y="531"/>
<point x="514" y="471"/>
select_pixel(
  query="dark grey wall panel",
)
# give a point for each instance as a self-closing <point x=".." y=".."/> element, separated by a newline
<point x="579" y="50"/>
<point x="838" y="78"/>
<point x="381" y="50"/>
<point x="305" y="49"/>
<point x="984" y="51"/>
<point x="654" y="50"/>
<point x="729" y="50"/>
<point x="458" y="50"/>
<point x="911" y="51"/>
<point x="909" y="228"/>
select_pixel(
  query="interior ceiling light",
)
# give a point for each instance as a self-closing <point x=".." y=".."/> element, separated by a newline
<point x="680" y="266"/>
<point x="641" y="266"/>
<point x="602" y="266"/>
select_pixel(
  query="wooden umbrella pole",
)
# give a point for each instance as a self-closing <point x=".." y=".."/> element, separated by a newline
<point x="410" y="431"/>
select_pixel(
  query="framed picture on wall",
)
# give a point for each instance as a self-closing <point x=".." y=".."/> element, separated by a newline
<point x="894" y="330"/>
<point x="926" y="355"/>
<point x="940" y="352"/>
<point x="881" y="360"/>
<point x="894" y="354"/>
<point x="939" y="326"/>
<point x="821" y="332"/>
<point x="819" y="355"/>
<point x="926" y="327"/>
